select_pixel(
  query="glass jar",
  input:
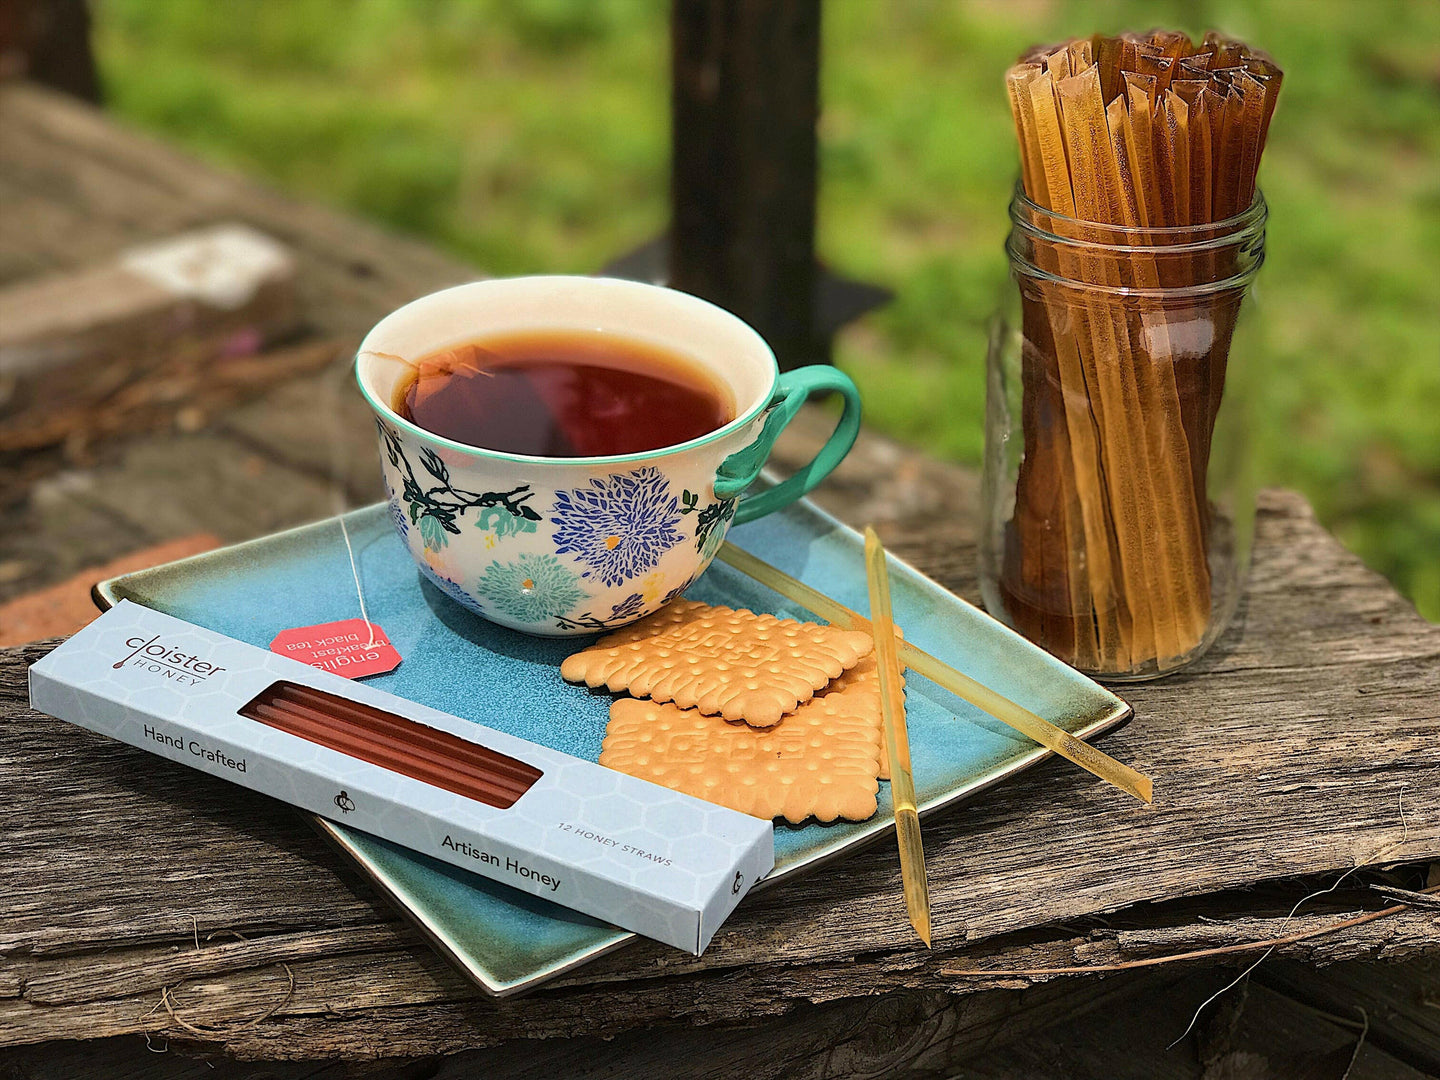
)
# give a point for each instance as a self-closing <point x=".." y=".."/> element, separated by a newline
<point x="1118" y="498"/>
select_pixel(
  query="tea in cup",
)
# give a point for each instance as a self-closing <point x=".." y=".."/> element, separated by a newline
<point x="564" y="455"/>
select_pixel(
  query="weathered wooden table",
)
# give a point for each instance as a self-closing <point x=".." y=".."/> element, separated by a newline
<point x="151" y="908"/>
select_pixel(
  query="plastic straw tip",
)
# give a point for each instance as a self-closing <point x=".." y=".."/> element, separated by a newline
<point x="921" y="926"/>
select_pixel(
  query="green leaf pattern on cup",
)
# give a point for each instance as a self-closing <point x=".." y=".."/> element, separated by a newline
<point x="502" y="522"/>
<point x="432" y="533"/>
<point x="709" y="523"/>
<point x="436" y="504"/>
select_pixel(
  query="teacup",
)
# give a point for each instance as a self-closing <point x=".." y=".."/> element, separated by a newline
<point x="565" y="546"/>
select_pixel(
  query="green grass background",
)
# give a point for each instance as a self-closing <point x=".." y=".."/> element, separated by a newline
<point x="532" y="136"/>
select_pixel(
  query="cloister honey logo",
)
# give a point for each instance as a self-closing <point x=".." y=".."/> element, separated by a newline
<point x="153" y="655"/>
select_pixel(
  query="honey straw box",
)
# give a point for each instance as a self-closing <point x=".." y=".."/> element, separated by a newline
<point x="627" y="851"/>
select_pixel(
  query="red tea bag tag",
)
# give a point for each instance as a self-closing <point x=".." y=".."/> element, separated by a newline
<point x="341" y="648"/>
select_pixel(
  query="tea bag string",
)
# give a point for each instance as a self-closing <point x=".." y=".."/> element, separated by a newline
<point x="337" y="487"/>
<point x="355" y="575"/>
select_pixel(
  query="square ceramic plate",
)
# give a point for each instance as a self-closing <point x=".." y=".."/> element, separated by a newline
<point x="453" y="660"/>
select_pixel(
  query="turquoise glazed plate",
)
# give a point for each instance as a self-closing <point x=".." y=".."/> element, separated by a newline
<point x="456" y="661"/>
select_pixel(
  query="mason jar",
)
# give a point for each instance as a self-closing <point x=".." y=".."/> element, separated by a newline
<point x="1118" y="496"/>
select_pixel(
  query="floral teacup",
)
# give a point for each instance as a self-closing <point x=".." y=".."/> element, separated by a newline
<point x="563" y="546"/>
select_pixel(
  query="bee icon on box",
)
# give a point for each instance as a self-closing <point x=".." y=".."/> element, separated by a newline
<point x="344" y="802"/>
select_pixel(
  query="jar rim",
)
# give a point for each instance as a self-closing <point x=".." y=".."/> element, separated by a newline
<point x="1237" y="228"/>
<point x="1165" y="294"/>
<point x="1243" y="232"/>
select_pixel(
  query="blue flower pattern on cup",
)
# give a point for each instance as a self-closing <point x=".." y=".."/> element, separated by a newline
<point x="531" y="588"/>
<point x="618" y="526"/>
<point x="397" y="516"/>
<point x="678" y="591"/>
<point x="628" y="608"/>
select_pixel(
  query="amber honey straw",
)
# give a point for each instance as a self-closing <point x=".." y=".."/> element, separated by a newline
<point x="1113" y="623"/>
<point x="394" y="742"/>
<point x="1053" y="738"/>
<point x="897" y="740"/>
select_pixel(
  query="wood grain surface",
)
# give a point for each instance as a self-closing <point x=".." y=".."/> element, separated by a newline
<point x="1307" y="742"/>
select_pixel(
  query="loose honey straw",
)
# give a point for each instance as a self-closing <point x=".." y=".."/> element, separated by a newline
<point x="897" y="740"/>
<point x="1055" y="739"/>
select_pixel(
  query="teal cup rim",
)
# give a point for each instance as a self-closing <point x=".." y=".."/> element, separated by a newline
<point x="389" y="415"/>
<point x="775" y="398"/>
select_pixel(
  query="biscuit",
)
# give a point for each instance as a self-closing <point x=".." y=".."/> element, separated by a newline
<point x="673" y="614"/>
<point x="816" y="763"/>
<point x="857" y="693"/>
<point x="734" y="664"/>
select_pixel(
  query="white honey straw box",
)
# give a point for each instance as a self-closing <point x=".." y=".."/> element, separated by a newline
<point x="627" y="851"/>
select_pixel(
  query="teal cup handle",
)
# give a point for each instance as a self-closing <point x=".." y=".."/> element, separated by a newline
<point x="740" y="470"/>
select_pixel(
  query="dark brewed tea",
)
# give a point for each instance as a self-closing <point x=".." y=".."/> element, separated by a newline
<point x="563" y="393"/>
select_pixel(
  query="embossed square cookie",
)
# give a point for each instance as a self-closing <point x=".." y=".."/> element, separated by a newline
<point x="818" y="762"/>
<point x="673" y="614"/>
<point x="857" y="693"/>
<point x="724" y="662"/>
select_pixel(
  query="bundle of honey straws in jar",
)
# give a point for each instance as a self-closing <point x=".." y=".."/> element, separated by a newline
<point x="1118" y="517"/>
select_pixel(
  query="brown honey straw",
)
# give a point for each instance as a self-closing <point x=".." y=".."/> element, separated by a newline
<point x="318" y="725"/>
<point x="1107" y="562"/>
<point x="320" y="730"/>
<point x="393" y="742"/>
<point x="417" y="736"/>
<point x="416" y="747"/>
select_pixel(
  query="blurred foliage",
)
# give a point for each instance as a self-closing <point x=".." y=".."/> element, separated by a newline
<point x="532" y="135"/>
